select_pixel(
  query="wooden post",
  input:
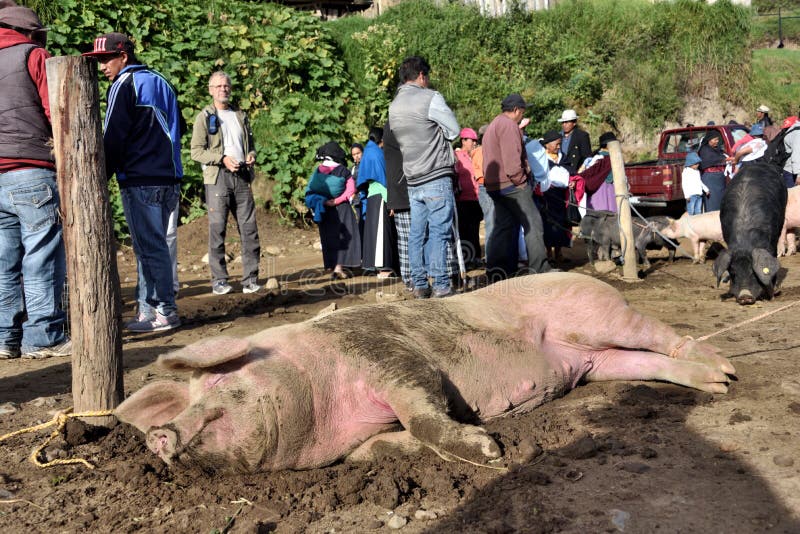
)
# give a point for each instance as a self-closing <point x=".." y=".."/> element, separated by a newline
<point x="630" y="271"/>
<point x="94" y="293"/>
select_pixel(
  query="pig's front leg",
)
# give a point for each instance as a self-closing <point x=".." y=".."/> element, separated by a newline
<point x="617" y="364"/>
<point x="424" y="414"/>
<point x="386" y="444"/>
<point x="791" y="242"/>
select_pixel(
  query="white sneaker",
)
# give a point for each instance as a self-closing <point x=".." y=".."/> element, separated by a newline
<point x="250" y="287"/>
<point x="62" y="349"/>
<point x="221" y="287"/>
<point x="160" y="323"/>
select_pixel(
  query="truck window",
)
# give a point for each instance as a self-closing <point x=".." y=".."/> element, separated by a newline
<point x="676" y="142"/>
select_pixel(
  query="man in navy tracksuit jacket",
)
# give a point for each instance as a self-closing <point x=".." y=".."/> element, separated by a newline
<point x="142" y="132"/>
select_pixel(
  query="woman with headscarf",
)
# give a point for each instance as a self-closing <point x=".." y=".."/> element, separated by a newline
<point x="553" y="200"/>
<point x="379" y="238"/>
<point x="328" y="195"/>
<point x="712" y="168"/>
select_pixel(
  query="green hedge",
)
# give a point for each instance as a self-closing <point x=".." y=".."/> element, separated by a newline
<point x="305" y="81"/>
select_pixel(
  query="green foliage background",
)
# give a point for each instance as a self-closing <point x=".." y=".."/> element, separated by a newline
<point x="305" y="81"/>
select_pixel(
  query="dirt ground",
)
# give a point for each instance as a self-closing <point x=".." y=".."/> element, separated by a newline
<point x="608" y="457"/>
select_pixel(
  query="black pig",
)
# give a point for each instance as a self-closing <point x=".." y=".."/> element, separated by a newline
<point x="752" y="214"/>
<point x="647" y="237"/>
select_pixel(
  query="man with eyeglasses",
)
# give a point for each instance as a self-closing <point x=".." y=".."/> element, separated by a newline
<point x="222" y="142"/>
<point x="142" y="139"/>
<point x="575" y="144"/>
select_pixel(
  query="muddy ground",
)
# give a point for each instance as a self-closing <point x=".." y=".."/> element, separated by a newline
<point x="624" y="456"/>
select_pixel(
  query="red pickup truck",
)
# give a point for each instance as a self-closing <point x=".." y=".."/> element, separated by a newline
<point x="658" y="183"/>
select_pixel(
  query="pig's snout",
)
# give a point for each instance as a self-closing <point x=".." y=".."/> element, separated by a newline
<point x="162" y="441"/>
<point x="745" y="297"/>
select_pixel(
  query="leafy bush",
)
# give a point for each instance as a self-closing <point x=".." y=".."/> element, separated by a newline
<point x="304" y="81"/>
<point x="285" y="68"/>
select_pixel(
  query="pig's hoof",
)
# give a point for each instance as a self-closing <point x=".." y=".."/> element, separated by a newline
<point x="696" y="351"/>
<point x="703" y="377"/>
<point x="472" y="444"/>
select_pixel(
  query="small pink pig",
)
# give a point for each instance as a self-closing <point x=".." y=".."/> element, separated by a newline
<point x="699" y="229"/>
<point x="306" y="395"/>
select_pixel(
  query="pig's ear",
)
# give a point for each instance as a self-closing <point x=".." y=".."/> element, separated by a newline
<point x="765" y="265"/>
<point x="154" y="405"/>
<point x="207" y="353"/>
<point x="721" y="265"/>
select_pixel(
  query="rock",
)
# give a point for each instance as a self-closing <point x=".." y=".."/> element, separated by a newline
<point x="8" y="408"/>
<point x="783" y="460"/>
<point x="605" y="266"/>
<point x="272" y="250"/>
<point x="374" y="524"/>
<point x="43" y="401"/>
<point x="54" y="453"/>
<point x="791" y="386"/>
<point x="204" y="259"/>
<point x="527" y="451"/>
<point x="424" y="515"/>
<point x="5" y="494"/>
<point x="634" y="467"/>
<point x="619" y="518"/>
<point x="272" y="284"/>
<point x="729" y="446"/>
<point x="317" y="245"/>
<point x="397" y="522"/>
<point x="584" y="447"/>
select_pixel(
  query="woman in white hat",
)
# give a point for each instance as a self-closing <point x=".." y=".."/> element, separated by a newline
<point x="762" y="116"/>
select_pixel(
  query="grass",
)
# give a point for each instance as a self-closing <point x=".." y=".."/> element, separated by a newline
<point x="765" y="26"/>
<point x="774" y="81"/>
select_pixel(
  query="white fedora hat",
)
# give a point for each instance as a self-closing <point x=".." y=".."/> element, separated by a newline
<point x="568" y="115"/>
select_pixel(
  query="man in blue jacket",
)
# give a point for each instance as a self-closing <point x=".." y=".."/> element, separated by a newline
<point x="142" y="132"/>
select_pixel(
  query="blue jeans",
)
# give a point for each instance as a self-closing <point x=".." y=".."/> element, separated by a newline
<point x="694" y="205"/>
<point x="31" y="247"/>
<point x="147" y="211"/>
<point x="432" y="206"/>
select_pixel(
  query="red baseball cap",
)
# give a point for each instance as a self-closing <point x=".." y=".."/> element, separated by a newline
<point x="110" y="44"/>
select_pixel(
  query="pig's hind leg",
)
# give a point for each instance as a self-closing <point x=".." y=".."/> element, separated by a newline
<point x="623" y="327"/>
<point x="619" y="364"/>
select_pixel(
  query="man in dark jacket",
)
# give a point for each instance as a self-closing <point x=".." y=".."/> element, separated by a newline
<point x="142" y="133"/>
<point x="575" y="144"/>
<point x="32" y="258"/>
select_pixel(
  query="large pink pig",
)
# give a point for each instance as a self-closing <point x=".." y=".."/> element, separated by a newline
<point x="787" y="244"/>
<point x="699" y="229"/>
<point x="306" y="395"/>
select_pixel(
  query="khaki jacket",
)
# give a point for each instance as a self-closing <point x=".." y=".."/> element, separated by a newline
<point x="207" y="149"/>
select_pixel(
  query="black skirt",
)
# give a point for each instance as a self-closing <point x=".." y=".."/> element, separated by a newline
<point x="340" y="238"/>
<point x="380" y="237"/>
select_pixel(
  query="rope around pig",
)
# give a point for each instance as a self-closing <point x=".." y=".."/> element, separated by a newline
<point x="59" y="421"/>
